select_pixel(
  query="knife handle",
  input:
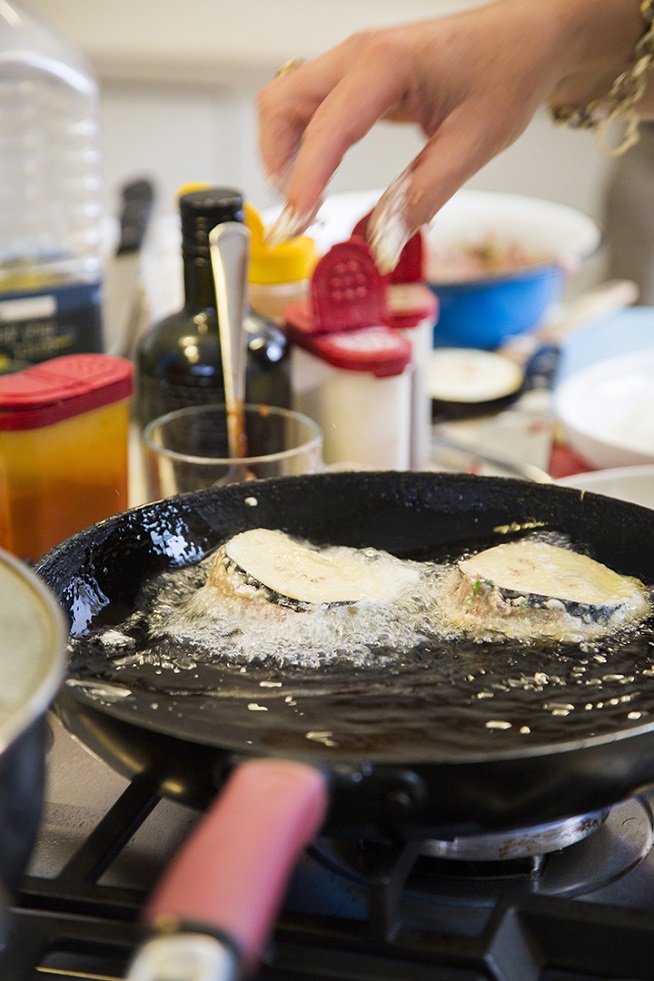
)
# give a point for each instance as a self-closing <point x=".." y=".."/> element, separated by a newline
<point x="138" y="198"/>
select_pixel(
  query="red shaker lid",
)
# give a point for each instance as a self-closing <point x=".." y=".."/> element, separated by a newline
<point x="347" y="292"/>
<point x="410" y="300"/>
<point x="378" y="350"/>
<point x="411" y="304"/>
<point x="61" y="388"/>
<point x="345" y="321"/>
<point x="410" y="267"/>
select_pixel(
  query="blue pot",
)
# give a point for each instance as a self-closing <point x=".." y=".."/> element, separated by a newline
<point x="484" y="313"/>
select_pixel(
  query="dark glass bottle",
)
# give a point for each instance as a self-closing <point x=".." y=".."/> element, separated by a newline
<point x="179" y="361"/>
<point x="268" y="373"/>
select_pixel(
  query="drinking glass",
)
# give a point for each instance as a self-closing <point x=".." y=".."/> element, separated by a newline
<point x="186" y="450"/>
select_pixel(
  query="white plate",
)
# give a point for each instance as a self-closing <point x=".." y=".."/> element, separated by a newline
<point x="633" y="484"/>
<point x="607" y="411"/>
<point x="468" y="375"/>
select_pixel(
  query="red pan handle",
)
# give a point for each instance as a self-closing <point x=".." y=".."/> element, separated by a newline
<point x="231" y="873"/>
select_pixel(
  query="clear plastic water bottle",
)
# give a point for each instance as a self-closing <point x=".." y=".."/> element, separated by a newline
<point x="51" y="201"/>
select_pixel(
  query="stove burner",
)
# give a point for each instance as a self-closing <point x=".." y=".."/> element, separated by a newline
<point x="533" y="842"/>
<point x="606" y="847"/>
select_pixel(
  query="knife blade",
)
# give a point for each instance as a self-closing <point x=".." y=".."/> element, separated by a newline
<point x="124" y="310"/>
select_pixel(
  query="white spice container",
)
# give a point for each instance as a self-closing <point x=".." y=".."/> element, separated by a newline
<point x="413" y="311"/>
<point x="350" y="371"/>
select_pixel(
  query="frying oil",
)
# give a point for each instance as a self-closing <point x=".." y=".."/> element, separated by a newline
<point x="243" y="625"/>
<point x="362" y="677"/>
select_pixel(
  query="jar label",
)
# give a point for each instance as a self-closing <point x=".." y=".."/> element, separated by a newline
<point x="43" y="324"/>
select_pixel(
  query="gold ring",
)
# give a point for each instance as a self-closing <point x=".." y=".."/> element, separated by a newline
<point x="289" y="66"/>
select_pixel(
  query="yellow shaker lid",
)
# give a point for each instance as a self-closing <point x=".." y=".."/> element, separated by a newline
<point x="289" y="262"/>
<point x="192" y="186"/>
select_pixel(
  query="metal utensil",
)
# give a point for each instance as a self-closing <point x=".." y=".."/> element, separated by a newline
<point x="228" y="243"/>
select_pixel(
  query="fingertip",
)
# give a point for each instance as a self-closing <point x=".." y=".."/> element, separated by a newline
<point x="388" y="227"/>
<point x="289" y="223"/>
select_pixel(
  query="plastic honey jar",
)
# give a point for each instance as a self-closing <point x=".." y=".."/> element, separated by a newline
<point x="64" y="428"/>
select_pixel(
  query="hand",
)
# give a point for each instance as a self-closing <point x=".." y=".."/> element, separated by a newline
<point x="471" y="81"/>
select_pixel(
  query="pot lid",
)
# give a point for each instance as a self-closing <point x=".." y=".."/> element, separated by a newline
<point x="32" y="659"/>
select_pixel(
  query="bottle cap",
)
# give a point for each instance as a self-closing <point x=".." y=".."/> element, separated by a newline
<point x="289" y="262"/>
<point x="203" y="209"/>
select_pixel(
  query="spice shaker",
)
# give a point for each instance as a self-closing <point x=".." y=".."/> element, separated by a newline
<point x="63" y="449"/>
<point x="414" y="312"/>
<point x="351" y="371"/>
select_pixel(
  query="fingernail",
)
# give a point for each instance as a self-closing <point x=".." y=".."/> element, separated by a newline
<point x="288" y="224"/>
<point x="388" y="232"/>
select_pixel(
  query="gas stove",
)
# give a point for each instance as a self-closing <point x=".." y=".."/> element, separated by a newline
<point x="568" y="903"/>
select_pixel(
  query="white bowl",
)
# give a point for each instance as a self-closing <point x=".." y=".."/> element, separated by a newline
<point x="338" y="215"/>
<point x="633" y="484"/>
<point x="606" y="411"/>
<point x="543" y="227"/>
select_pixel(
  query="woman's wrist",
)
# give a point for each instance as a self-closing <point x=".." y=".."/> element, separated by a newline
<point x="608" y="86"/>
<point x="598" y="39"/>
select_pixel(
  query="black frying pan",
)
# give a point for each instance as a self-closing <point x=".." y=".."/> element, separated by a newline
<point x="407" y="750"/>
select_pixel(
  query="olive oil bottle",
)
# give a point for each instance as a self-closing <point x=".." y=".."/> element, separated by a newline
<point x="179" y="360"/>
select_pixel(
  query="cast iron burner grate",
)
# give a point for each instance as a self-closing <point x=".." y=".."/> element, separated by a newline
<point x="542" y="940"/>
<point x="74" y="927"/>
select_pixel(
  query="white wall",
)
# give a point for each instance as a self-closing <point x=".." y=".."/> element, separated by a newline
<point x="178" y="82"/>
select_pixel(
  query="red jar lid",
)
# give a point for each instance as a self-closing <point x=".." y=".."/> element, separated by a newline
<point x="61" y="388"/>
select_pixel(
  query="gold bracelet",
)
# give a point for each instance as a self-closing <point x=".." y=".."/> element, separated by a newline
<point x="619" y="104"/>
